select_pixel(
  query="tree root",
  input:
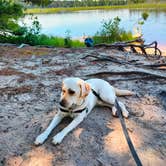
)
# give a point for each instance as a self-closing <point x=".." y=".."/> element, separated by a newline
<point x="144" y="73"/>
<point x="122" y="46"/>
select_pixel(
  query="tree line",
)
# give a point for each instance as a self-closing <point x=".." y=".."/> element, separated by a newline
<point x="84" y="3"/>
<point x="79" y="3"/>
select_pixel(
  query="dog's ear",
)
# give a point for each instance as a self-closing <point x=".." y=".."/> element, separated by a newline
<point x="84" y="88"/>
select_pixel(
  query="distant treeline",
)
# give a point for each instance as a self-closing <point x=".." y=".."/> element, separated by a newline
<point x="81" y="3"/>
<point x="76" y="3"/>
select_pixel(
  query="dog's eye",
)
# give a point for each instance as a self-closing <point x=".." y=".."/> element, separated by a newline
<point x="63" y="91"/>
<point x="71" y="92"/>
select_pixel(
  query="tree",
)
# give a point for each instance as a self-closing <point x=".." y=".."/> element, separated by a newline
<point x="10" y="12"/>
<point x="40" y="2"/>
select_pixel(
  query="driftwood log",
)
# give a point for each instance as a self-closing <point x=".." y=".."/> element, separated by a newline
<point x="135" y="46"/>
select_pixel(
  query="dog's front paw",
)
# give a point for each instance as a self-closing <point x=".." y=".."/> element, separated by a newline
<point x="40" y="139"/>
<point x="57" y="139"/>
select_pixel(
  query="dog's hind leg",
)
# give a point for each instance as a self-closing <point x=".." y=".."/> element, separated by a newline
<point x="108" y="96"/>
<point x="43" y="136"/>
<point x="125" y="113"/>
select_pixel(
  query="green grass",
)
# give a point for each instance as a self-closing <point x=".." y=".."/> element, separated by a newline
<point x="159" y="6"/>
<point x="41" y="40"/>
<point x="77" y="44"/>
<point x="57" y="41"/>
<point x="50" y="40"/>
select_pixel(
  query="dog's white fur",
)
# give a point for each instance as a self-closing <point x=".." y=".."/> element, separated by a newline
<point x="76" y="95"/>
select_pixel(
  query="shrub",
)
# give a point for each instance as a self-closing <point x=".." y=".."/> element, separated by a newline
<point x="111" y="32"/>
<point x="67" y="40"/>
<point x="10" y="12"/>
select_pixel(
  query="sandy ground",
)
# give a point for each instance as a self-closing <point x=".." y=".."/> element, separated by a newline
<point x="30" y="82"/>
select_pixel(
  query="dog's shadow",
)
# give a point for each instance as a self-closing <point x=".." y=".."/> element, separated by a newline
<point x="86" y="145"/>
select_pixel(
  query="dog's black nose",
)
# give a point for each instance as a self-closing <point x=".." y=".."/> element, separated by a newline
<point x="62" y="103"/>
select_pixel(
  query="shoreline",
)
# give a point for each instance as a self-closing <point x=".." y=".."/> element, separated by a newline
<point x="46" y="48"/>
<point x="141" y="6"/>
<point x="163" y="49"/>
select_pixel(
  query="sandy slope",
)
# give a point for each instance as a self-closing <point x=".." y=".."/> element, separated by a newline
<point x="30" y="87"/>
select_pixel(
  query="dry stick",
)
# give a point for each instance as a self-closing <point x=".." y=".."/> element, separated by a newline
<point x="114" y="60"/>
<point x="155" y="65"/>
<point x="109" y="59"/>
<point x="104" y="58"/>
<point x="128" y="73"/>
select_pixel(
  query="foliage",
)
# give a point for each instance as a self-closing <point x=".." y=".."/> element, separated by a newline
<point x="154" y="6"/>
<point x="76" y="3"/>
<point x="136" y="1"/>
<point x="27" y="34"/>
<point x="111" y="32"/>
<point x="67" y="40"/>
<point x="138" y="25"/>
<point x="42" y="3"/>
<point x="23" y="34"/>
<point x="145" y="16"/>
<point x="81" y="3"/>
<point x="10" y="12"/>
<point x="41" y="40"/>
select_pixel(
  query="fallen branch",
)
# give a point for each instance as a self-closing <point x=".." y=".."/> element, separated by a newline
<point x="112" y="59"/>
<point x="133" y="78"/>
<point x="155" y="65"/>
<point x="128" y="73"/>
<point x="107" y="58"/>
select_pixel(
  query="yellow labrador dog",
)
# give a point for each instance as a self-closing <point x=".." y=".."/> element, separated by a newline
<point x="78" y="98"/>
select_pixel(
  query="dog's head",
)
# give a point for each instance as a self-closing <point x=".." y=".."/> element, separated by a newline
<point x="74" y="92"/>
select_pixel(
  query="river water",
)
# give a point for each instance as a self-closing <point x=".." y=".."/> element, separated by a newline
<point x="89" y="22"/>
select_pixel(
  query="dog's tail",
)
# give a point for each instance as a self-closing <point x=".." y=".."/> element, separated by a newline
<point x="120" y="92"/>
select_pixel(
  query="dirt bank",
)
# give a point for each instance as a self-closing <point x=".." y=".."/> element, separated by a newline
<point x="30" y="82"/>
